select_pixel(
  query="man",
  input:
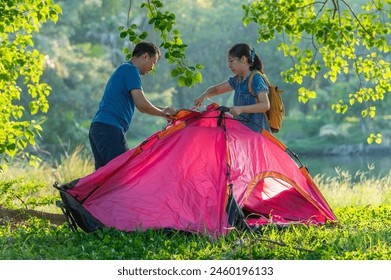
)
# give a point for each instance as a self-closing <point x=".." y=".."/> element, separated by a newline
<point x="122" y="94"/>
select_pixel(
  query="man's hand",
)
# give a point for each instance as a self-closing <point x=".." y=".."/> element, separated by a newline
<point x="169" y="111"/>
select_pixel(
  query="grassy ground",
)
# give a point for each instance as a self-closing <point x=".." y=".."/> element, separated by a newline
<point x="363" y="210"/>
<point x="362" y="234"/>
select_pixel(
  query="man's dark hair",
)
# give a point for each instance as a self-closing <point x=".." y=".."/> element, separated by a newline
<point x="146" y="47"/>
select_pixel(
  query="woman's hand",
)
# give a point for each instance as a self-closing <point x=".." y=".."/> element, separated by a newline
<point x="236" y="110"/>
<point x="198" y="101"/>
<point x="212" y="91"/>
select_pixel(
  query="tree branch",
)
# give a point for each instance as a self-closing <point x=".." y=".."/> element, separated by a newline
<point x="312" y="4"/>
<point x="151" y="10"/>
<point x="129" y="9"/>
<point x="357" y="19"/>
<point x="336" y="8"/>
<point x="321" y="9"/>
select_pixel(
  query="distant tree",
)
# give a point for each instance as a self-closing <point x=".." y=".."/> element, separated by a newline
<point x="20" y="69"/>
<point x="81" y="50"/>
<point x="331" y="38"/>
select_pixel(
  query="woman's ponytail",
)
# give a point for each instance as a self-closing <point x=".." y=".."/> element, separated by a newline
<point x="256" y="64"/>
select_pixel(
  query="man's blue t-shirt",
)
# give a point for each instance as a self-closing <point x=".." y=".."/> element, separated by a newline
<point x="117" y="105"/>
<point x="255" y="121"/>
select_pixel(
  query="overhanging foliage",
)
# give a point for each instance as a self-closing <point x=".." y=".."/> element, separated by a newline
<point x="331" y="38"/>
<point x="19" y="61"/>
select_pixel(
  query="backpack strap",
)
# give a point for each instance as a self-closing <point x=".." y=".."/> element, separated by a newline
<point x="250" y="81"/>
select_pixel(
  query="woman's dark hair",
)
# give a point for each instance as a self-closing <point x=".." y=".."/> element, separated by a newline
<point x="146" y="47"/>
<point x="243" y="49"/>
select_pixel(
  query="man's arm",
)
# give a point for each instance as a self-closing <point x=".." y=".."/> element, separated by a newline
<point x="145" y="106"/>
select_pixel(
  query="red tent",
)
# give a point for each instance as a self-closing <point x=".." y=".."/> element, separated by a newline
<point x="205" y="172"/>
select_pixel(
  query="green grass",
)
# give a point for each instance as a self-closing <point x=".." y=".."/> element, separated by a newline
<point x="362" y="234"/>
<point x="363" y="209"/>
<point x="70" y="167"/>
<point x="347" y="190"/>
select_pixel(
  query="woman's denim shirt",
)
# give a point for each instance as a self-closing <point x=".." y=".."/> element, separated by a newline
<point x="255" y="121"/>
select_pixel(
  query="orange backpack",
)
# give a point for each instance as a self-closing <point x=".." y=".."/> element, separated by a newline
<point x="277" y="110"/>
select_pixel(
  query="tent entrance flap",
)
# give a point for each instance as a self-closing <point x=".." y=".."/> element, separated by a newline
<point x="273" y="196"/>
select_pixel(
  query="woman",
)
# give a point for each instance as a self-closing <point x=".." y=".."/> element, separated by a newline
<point x="242" y="60"/>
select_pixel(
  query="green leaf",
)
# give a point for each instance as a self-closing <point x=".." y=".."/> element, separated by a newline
<point x="197" y="78"/>
<point x="181" y="81"/>
<point x="10" y="149"/>
<point x="22" y="144"/>
<point x="53" y="16"/>
<point x="123" y="34"/>
<point x="33" y="107"/>
<point x="57" y="8"/>
<point x="174" y="73"/>
<point x="143" y="35"/>
<point x="189" y="81"/>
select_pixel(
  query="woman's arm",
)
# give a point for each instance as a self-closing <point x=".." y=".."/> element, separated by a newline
<point x="213" y="91"/>
<point x="263" y="105"/>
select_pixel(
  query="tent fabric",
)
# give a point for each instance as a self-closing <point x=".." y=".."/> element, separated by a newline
<point x="188" y="177"/>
